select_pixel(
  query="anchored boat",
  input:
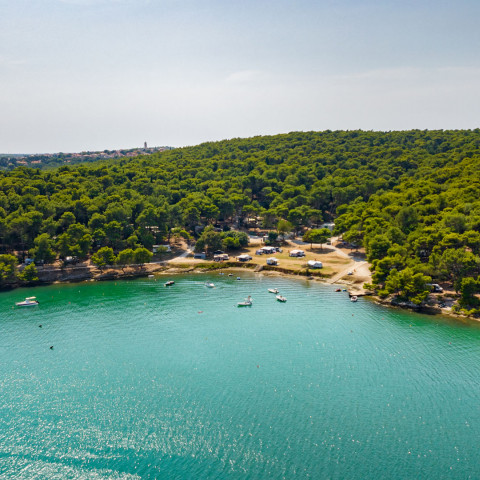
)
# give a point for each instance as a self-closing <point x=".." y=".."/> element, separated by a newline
<point x="246" y="303"/>
<point x="28" y="302"/>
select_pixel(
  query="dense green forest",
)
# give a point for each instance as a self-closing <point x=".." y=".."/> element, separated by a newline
<point x="410" y="198"/>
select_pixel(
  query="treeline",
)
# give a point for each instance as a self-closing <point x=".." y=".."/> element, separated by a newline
<point x="426" y="228"/>
<point x="409" y="197"/>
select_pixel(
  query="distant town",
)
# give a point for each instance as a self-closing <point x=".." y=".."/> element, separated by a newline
<point x="41" y="160"/>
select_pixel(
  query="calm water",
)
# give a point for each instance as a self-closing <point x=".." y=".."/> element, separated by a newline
<point x="148" y="382"/>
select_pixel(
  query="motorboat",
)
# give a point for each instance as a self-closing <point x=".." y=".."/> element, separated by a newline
<point x="273" y="290"/>
<point x="209" y="284"/>
<point x="151" y="276"/>
<point x="169" y="283"/>
<point x="238" y="278"/>
<point x="353" y="298"/>
<point x="281" y="299"/>
<point x="246" y="303"/>
<point x="28" y="302"/>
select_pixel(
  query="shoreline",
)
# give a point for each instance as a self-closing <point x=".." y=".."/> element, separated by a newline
<point x="85" y="273"/>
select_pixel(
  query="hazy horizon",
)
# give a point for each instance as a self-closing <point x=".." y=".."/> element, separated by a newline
<point x="140" y="147"/>
<point x="89" y="75"/>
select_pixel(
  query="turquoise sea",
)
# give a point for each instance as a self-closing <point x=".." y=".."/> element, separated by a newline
<point x="153" y="382"/>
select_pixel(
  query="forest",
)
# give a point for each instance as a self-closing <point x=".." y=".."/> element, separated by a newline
<point x="410" y="198"/>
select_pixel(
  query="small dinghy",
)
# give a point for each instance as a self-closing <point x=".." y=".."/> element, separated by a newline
<point x="209" y="284"/>
<point x="246" y="303"/>
<point x="281" y="299"/>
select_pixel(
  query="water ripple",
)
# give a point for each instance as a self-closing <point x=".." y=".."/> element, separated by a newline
<point x="146" y="382"/>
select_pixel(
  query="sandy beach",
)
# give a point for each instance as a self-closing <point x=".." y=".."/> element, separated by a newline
<point x="341" y="266"/>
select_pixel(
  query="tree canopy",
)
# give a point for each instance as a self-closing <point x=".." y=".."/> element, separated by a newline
<point x="408" y="197"/>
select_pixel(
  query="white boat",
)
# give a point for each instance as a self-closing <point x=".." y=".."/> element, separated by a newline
<point x="209" y="284"/>
<point x="28" y="302"/>
<point x="151" y="276"/>
<point x="246" y="303"/>
<point x="353" y="298"/>
<point x="273" y="290"/>
<point x="170" y="282"/>
<point x="281" y="299"/>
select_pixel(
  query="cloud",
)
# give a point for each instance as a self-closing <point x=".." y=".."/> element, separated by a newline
<point x="411" y="75"/>
<point x="246" y="76"/>
<point x="7" y="62"/>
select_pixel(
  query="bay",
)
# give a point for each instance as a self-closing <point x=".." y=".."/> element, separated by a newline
<point x="146" y="381"/>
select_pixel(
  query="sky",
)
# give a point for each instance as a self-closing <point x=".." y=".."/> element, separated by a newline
<point x="80" y="75"/>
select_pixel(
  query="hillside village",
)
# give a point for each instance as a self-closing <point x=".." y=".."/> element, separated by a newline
<point x="40" y="160"/>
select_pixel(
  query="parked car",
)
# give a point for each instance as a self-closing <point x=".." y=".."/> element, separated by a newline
<point x="70" y="260"/>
